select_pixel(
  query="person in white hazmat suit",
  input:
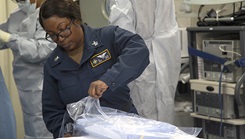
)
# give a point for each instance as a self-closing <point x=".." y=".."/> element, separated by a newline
<point x="23" y="34"/>
<point x="154" y="91"/>
<point x="7" y="116"/>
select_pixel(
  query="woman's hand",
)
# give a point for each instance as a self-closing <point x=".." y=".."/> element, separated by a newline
<point x="67" y="135"/>
<point x="97" y="88"/>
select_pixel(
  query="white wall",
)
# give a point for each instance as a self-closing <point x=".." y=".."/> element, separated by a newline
<point x="7" y="6"/>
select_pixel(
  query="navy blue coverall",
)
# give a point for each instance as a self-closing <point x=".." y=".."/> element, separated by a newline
<point x="111" y="54"/>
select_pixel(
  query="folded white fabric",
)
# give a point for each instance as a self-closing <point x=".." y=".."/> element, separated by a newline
<point x="128" y="127"/>
<point x="92" y="120"/>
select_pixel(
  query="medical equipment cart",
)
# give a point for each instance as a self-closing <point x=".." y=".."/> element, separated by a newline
<point x="217" y="97"/>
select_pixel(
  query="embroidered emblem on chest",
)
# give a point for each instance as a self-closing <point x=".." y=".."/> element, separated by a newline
<point x="100" y="58"/>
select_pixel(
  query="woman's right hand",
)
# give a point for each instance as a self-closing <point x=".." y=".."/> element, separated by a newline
<point x="97" y="88"/>
<point x="68" y="135"/>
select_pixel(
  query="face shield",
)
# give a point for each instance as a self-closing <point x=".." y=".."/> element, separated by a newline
<point x="26" y="6"/>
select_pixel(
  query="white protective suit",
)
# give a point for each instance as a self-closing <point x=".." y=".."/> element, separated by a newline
<point x="7" y="116"/>
<point x="30" y="50"/>
<point x="154" y="91"/>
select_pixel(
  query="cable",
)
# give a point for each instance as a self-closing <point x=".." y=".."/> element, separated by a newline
<point x="223" y="50"/>
<point x="199" y="11"/>
<point x="221" y="104"/>
<point x="237" y="90"/>
<point x="183" y="67"/>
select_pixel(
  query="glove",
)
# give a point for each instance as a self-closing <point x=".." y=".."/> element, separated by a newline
<point x="4" y="36"/>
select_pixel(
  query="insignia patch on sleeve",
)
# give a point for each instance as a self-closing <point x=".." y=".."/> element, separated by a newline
<point x="100" y="58"/>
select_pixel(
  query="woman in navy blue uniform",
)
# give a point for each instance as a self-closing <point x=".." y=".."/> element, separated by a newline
<point x="97" y="62"/>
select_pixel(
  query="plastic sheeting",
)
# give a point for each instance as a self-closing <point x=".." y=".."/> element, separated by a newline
<point x="92" y="120"/>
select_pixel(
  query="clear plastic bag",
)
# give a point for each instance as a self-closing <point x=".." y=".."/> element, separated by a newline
<point x="92" y="120"/>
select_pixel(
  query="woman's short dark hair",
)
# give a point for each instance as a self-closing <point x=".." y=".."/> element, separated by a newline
<point x="61" y="8"/>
